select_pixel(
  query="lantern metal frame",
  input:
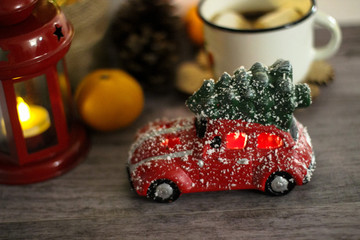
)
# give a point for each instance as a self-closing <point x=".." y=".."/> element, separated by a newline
<point x="29" y="49"/>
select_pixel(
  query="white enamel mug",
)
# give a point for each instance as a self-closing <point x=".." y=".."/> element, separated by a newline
<point x="230" y="48"/>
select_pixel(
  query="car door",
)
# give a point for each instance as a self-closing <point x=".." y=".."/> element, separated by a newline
<point x="226" y="162"/>
<point x="237" y="157"/>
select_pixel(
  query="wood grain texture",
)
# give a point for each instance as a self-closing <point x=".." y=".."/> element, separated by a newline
<point x="94" y="201"/>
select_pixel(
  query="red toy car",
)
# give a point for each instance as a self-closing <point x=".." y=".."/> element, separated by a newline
<point x="188" y="155"/>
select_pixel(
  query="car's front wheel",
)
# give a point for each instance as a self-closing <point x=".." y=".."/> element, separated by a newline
<point x="279" y="183"/>
<point x="164" y="191"/>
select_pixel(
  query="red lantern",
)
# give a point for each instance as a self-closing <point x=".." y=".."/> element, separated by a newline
<point x="39" y="137"/>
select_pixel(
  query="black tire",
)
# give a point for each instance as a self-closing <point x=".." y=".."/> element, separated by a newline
<point x="279" y="184"/>
<point x="163" y="191"/>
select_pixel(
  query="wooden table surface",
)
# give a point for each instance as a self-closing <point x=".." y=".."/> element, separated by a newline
<point x="94" y="201"/>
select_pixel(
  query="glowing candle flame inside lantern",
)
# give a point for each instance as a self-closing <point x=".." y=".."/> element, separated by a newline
<point x="23" y="109"/>
<point x="34" y="119"/>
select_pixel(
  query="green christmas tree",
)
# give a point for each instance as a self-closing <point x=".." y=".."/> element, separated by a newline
<point x="263" y="95"/>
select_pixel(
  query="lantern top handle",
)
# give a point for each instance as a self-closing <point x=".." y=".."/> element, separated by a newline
<point x="36" y="42"/>
<point x="15" y="11"/>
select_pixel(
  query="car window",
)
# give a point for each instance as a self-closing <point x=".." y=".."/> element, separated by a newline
<point x="269" y="141"/>
<point x="170" y="142"/>
<point x="294" y="131"/>
<point x="236" y="140"/>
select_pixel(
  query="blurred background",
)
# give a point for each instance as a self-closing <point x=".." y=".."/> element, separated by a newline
<point x="93" y="18"/>
<point x="345" y="11"/>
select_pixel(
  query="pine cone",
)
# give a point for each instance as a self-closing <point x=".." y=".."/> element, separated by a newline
<point x="145" y="35"/>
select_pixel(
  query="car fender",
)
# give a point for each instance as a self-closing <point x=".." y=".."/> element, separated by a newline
<point x="263" y="171"/>
<point x="145" y="174"/>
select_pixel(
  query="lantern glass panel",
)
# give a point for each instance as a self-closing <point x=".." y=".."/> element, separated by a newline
<point x="4" y="144"/>
<point x="65" y="91"/>
<point x="35" y="113"/>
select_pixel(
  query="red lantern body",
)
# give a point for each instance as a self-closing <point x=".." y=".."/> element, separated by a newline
<point x="39" y="137"/>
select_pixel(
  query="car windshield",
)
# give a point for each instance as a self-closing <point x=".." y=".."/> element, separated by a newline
<point x="294" y="131"/>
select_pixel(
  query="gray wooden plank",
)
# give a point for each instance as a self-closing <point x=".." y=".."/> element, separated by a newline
<point x="337" y="221"/>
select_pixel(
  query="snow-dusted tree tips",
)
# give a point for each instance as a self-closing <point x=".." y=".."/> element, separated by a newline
<point x="263" y="95"/>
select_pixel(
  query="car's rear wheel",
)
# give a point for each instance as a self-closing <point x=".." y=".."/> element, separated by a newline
<point x="279" y="183"/>
<point x="164" y="191"/>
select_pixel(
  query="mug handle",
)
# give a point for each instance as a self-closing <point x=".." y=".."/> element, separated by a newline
<point x="328" y="22"/>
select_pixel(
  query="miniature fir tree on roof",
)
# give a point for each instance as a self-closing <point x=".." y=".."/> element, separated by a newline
<point x="263" y="95"/>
